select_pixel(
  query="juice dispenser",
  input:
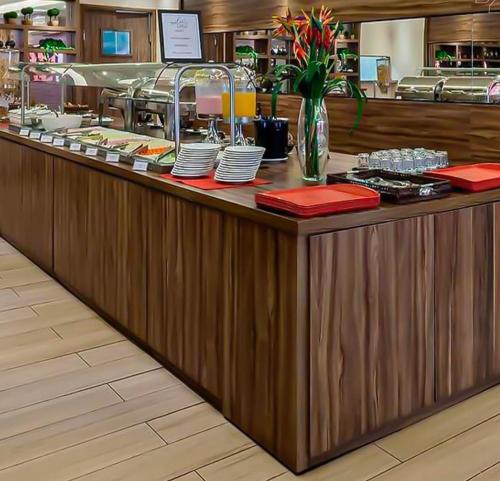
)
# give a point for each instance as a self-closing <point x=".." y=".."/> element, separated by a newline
<point x="245" y="99"/>
<point x="209" y="87"/>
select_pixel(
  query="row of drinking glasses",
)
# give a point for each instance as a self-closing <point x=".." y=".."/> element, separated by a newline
<point x="404" y="160"/>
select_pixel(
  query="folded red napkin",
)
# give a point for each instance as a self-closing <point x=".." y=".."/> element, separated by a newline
<point x="209" y="183"/>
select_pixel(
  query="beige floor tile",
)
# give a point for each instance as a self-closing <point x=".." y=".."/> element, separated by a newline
<point x="178" y="459"/>
<point x="434" y="430"/>
<point x="187" y="422"/>
<point x="81" y="328"/>
<point x="458" y="459"/>
<point x="31" y="338"/>
<point x="360" y="465"/>
<point x="14" y="316"/>
<point x="111" y="352"/>
<point x="189" y="477"/>
<point x="53" y="314"/>
<point x="13" y="261"/>
<point x="491" y="474"/>
<point x="68" y="383"/>
<point x="31" y="294"/>
<point x="6" y="248"/>
<point x="22" y="276"/>
<point x="87" y="457"/>
<point x="100" y="422"/>
<point x="48" y="412"/>
<point x="254" y="464"/>
<point x="144" y="383"/>
<point x="19" y="376"/>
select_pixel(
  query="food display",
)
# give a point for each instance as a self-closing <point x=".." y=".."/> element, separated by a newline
<point x="126" y="143"/>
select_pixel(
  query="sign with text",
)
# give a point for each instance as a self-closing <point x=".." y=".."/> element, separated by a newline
<point x="180" y="36"/>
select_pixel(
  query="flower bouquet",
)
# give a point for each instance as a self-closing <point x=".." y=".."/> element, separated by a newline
<point x="313" y="36"/>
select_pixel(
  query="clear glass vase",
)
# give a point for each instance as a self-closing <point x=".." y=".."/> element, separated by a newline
<point x="312" y="139"/>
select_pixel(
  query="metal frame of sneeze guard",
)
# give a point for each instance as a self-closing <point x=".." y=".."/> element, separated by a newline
<point x="177" y="99"/>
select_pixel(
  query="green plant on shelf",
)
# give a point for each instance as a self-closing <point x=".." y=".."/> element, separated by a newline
<point x="27" y="13"/>
<point x="53" y="46"/>
<point x="53" y="14"/>
<point x="247" y="52"/>
<point x="10" y="17"/>
<point x="443" y="56"/>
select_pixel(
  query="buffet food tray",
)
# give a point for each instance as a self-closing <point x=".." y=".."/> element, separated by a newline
<point x="396" y="187"/>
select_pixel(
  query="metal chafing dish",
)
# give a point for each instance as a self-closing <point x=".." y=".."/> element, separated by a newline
<point x="420" y="88"/>
<point x="471" y="89"/>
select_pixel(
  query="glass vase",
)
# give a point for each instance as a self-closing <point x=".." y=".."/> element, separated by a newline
<point x="312" y="139"/>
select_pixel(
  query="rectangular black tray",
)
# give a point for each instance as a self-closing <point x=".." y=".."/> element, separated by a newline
<point x="428" y="187"/>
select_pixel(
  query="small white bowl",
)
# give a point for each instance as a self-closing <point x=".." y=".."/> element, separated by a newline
<point x="69" y="121"/>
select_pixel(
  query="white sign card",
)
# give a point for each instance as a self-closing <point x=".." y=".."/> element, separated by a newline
<point x="24" y="132"/>
<point x="91" y="151"/>
<point x="140" y="166"/>
<point x="35" y="135"/>
<point x="112" y="158"/>
<point x="58" y="142"/>
<point x="46" y="139"/>
<point x="180" y="36"/>
<point x="74" y="147"/>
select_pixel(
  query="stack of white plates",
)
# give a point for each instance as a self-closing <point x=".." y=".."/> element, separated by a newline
<point x="195" y="160"/>
<point x="239" y="164"/>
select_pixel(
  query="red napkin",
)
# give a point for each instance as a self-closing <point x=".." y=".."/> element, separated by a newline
<point x="209" y="183"/>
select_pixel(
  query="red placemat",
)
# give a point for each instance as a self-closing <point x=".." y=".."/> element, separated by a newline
<point x="209" y="183"/>
<point x="474" y="177"/>
<point x="320" y="200"/>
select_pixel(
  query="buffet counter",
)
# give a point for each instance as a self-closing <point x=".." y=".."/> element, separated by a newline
<point x="313" y="336"/>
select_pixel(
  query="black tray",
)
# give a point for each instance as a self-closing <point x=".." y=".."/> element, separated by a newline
<point x="428" y="187"/>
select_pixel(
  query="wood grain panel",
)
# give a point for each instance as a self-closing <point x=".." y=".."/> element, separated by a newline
<point x="485" y="26"/>
<point x="467" y="336"/>
<point x="100" y="241"/>
<point x="265" y="339"/>
<point x="467" y="132"/>
<point x="451" y="28"/>
<point x="230" y="15"/>
<point x="26" y="216"/>
<point x="372" y="338"/>
<point x="185" y="265"/>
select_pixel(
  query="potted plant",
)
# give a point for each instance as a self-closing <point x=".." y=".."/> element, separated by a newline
<point x="10" y="17"/>
<point x="27" y="15"/>
<point x="53" y="15"/>
<point x="313" y="36"/>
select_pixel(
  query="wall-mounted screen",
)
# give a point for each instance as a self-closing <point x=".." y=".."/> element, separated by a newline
<point x="116" y="43"/>
<point x="180" y="36"/>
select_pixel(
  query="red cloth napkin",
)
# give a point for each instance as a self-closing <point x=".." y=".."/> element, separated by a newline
<point x="209" y="183"/>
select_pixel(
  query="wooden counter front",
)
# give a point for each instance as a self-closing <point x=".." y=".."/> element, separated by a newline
<point x="313" y="336"/>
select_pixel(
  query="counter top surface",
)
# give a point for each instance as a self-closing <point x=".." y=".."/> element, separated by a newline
<point x="241" y="201"/>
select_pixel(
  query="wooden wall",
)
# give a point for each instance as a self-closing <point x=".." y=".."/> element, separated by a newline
<point x="467" y="132"/>
<point x="230" y="15"/>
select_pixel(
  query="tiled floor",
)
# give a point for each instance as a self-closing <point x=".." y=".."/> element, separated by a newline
<point x="78" y="401"/>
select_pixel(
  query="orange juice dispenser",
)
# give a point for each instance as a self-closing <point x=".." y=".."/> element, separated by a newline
<point x="209" y="87"/>
<point x="245" y="100"/>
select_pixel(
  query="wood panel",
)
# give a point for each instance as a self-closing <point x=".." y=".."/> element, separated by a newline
<point x="185" y="264"/>
<point x="467" y="334"/>
<point x="372" y="338"/>
<point x="452" y="28"/>
<point x="466" y="131"/>
<point x="100" y="241"/>
<point x="230" y="15"/>
<point x="485" y="27"/>
<point x="235" y="326"/>
<point x="26" y="216"/>
<point x="266" y="339"/>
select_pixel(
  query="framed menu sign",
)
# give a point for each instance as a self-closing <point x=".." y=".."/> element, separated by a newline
<point x="180" y="36"/>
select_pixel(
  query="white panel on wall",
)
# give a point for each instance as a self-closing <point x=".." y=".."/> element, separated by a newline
<point x="402" y="40"/>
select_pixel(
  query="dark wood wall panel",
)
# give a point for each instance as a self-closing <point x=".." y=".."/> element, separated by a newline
<point x="100" y="241"/>
<point x="26" y="203"/>
<point x="468" y="338"/>
<point x="372" y="337"/>
<point x="227" y="15"/>
<point x="467" y="132"/>
<point x="452" y="28"/>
